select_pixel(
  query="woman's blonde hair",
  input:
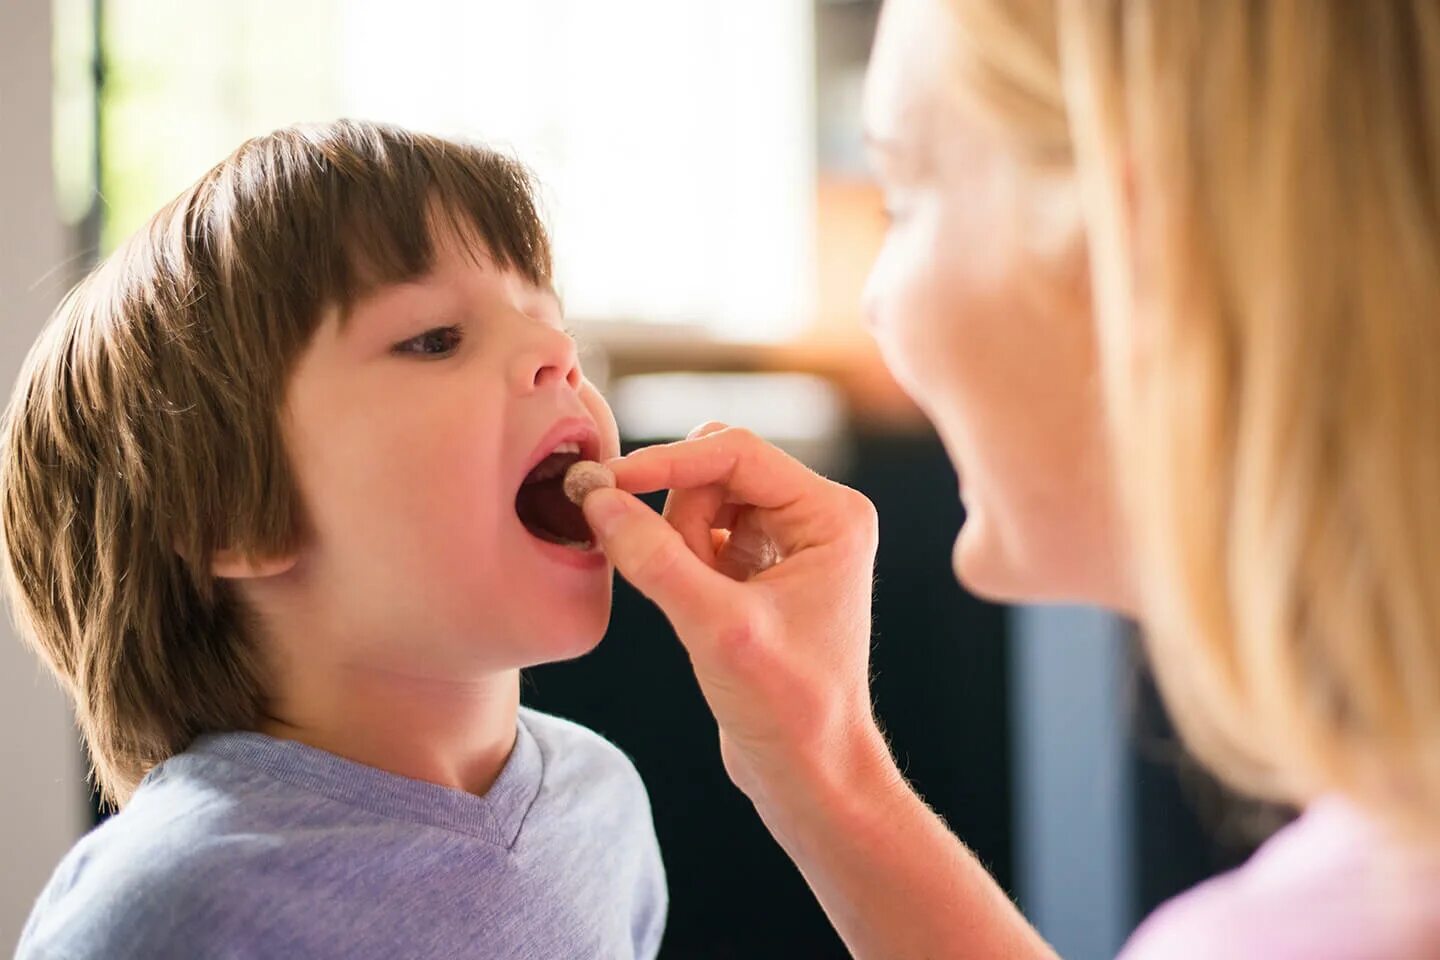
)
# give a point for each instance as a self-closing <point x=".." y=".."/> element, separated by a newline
<point x="1261" y="185"/>
<point x="144" y="432"/>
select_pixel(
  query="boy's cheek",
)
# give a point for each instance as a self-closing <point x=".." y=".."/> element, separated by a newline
<point x="604" y="419"/>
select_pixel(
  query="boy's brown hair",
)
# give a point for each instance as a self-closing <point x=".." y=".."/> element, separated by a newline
<point x="144" y="432"/>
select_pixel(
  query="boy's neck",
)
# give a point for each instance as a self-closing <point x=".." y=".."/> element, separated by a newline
<point x="456" y="733"/>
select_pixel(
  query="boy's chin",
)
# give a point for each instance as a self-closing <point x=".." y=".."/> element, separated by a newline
<point x="570" y="648"/>
<point x="554" y="643"/>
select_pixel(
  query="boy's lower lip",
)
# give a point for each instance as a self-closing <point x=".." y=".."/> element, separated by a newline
<point x="571" y="557"/>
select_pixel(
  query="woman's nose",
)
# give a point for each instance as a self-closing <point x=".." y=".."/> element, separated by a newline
<point x="546" y="355"/>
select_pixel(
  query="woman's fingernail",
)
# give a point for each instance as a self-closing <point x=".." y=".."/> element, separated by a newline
<point x="603" y="509"/>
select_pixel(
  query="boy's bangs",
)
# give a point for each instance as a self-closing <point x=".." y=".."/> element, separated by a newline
<point x="389" y="231"/>
<point x="325" y="214"/>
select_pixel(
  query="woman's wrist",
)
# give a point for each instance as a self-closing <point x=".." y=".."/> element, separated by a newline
<point x="889" y="873"/>
<point x="842" y="785"/>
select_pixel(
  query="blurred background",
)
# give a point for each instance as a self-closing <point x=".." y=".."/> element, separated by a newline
<point x="713" y="220"/>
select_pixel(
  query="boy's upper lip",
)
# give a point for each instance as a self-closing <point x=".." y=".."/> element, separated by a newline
<point x="566" y="430"/>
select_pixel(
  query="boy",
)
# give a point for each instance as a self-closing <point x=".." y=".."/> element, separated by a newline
<point x="282" y="513"/>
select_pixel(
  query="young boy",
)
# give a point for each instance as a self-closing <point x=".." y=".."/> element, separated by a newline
<point x="281" y="511"/>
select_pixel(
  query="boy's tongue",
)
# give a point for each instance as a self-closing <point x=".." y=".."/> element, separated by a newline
<point x="545" y="510"/>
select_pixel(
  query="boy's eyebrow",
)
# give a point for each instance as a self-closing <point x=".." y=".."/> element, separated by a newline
<point x="366" y="302"/>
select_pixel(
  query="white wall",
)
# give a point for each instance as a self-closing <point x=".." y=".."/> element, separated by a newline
<point x="42" y="797"/>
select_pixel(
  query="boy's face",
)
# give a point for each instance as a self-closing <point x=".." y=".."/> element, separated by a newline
<point x="410" y="432"/>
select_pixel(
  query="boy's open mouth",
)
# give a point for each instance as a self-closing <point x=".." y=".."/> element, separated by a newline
<point x="545" y="510"/>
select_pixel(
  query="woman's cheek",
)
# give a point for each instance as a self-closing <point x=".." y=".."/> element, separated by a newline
<point x="907" y="315"/>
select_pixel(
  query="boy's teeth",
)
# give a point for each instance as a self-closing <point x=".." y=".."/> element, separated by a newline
<point x="571" y="447"/>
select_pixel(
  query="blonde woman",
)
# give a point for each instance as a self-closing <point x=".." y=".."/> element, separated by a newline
<point x="1179" y="256"/>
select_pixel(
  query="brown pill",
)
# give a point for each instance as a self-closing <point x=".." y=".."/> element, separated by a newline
<point x="585" y="476"/>
<point x="752" y="551"/>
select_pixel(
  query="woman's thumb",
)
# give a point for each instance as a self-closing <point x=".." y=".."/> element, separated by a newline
<point x="653" y="556"/>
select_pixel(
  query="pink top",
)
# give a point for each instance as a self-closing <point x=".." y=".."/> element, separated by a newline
<point x="1330" y="886"/>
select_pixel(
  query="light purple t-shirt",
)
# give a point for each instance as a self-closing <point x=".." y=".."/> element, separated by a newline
<point x="1330" y="886"/>
<point x="246" y="846"/>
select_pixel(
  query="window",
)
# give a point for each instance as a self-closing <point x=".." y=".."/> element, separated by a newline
<point x="674" y="140"/>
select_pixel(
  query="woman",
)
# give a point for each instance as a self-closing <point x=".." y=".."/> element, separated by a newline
<point x="1177" y="256"/>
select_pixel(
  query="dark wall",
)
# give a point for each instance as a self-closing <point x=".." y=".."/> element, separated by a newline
<point x="1188" y="825"/>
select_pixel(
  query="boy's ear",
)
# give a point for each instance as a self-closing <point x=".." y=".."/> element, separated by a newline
<point x="233" y="565"/>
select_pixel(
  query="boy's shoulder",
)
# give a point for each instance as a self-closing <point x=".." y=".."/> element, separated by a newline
<point x="122" y="890"/>
<point x="573" y="754"/>
<point x="559" y="733"/>
<point x="178" y="865"/>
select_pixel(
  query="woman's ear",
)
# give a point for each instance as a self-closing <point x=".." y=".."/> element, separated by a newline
<point x="233" y="565"/>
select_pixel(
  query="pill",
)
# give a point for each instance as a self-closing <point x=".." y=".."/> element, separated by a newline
<point x="752" y="551"/>
<point x="585" y="476"/>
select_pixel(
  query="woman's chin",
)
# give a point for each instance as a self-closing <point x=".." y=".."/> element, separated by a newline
<point x="983" y="567"/>
<point x="1033" y="573"/>
<point x="969" y="558"/>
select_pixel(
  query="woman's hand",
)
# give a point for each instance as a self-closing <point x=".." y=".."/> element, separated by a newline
<point x="764" y="568"/>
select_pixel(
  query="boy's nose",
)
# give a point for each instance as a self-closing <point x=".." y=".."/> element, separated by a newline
<point x="548" y="355"/>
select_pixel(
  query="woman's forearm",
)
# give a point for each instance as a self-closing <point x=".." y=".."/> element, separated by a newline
<point x="894" y="880"/>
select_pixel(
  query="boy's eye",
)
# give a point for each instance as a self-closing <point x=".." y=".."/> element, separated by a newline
<point x="439" y="342"/>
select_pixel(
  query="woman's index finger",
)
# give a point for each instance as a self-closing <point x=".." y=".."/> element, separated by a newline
<point x="751" y="470"/>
